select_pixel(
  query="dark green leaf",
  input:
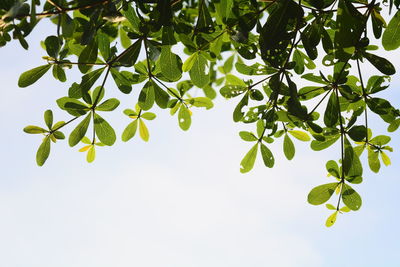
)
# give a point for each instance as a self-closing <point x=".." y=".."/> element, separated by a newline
<point x="267" y="156"/>
<point x="351" y="198"/>
<point x="288" y="147"/>
<point x="104" y="131"/>
<point x="79" y="132"/>
<point x="31" y="76"/>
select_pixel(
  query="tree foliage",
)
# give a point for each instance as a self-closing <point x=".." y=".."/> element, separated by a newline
<point x="164" y="50"/>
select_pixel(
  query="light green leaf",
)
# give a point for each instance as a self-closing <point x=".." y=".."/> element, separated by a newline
<point x="130" y="131"/>
<point x="391" y="35"/>
<point x="91" y="154"/>
<point x="267" y="156"/>
<point x="148" y="116"/>
<point x="331" y="219"/>
<point x="201" y="102"/>
<point x="300" y="135"/>
<point x="247" y="162"/>
<point x="288" y="147"/>
<point x="184" y="118"/>
<point x="31" y="129"/>
<point x="188" y="64"/>
<point x="43" y="152"/>
<point x="373" y="160"/>
<point x="321" y="194"/>
<point x="247" y="136"/>
<point x="170" y="63"/>
<point x="198" y="73"/>
<point x="385" y="158"/>
<point x="143" y="131"/>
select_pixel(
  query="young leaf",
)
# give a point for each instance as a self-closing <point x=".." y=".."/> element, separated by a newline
<point x="143" y="131"/>
<point x="247" y="162"/>
<point x="91" y="154"/>
<point x="385" y="158"/>
<point x="31" y="76"/>
<point x="148" y="116"/>
<point x="300" y="135"/>
<point x="331" y="219"/>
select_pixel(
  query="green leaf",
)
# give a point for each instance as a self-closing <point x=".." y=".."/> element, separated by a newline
<point x="300" y="135"/>
<point x="104" y="45"/>
<point x="391" y="35"/>
<point x="147" y="96"/>
<point x="198" y="73"/>
<point x="373" y="160"/>
<point x="351" y="198"/>
<point x="88" y="55"/>
<point x="122" y="82"/>
<point x="331" y="219"/>
<point x="31" y="76"/>
<point x="148" y="116"/>
<point x="331" y="115"/>
<point x="267" y="156"/>
<point x="201" y="102"/>
<point x="31" y="129"/>
<point x="130" y="131"/>
<point x="160" y="96"/>
<point x="108" y="105"/>
<point x="357" y="133"/>
<point x="171" y="64"/>
<point x="320" y="145"/>
<point x="333" y="168"/>
<point x="321" y="194"/>
<point x="88" y="80"/>
<point x="143" y="131"/>
<point x="79" y="132"/>
<point x="52" y="46"/>
<point x="229" y="91"/>
<point x="247" y="136"/>
<point x="382" y="64"/>
<point x="48" y="118"/>
<point x="184" y="118"/>
<point x="104" y="131"/>
<point x="288" y="147"/>
<point x="43" y="152"/>
<point x="380" y="140"/>
<point x="72" y="106"/>
<point x="59" y="73"/>
<point x="131" y="55"/>
<point x="247" y="162"/>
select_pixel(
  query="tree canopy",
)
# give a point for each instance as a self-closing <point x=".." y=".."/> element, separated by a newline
<point x="163" y="51"/>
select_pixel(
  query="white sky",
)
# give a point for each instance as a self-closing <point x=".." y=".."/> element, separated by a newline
<point x="178" y="200"/>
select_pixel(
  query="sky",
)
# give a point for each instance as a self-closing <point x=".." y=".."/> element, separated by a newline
<point x="178" y="200"/>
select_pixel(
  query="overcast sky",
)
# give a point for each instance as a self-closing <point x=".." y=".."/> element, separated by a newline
<point x="178" y="200"/>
